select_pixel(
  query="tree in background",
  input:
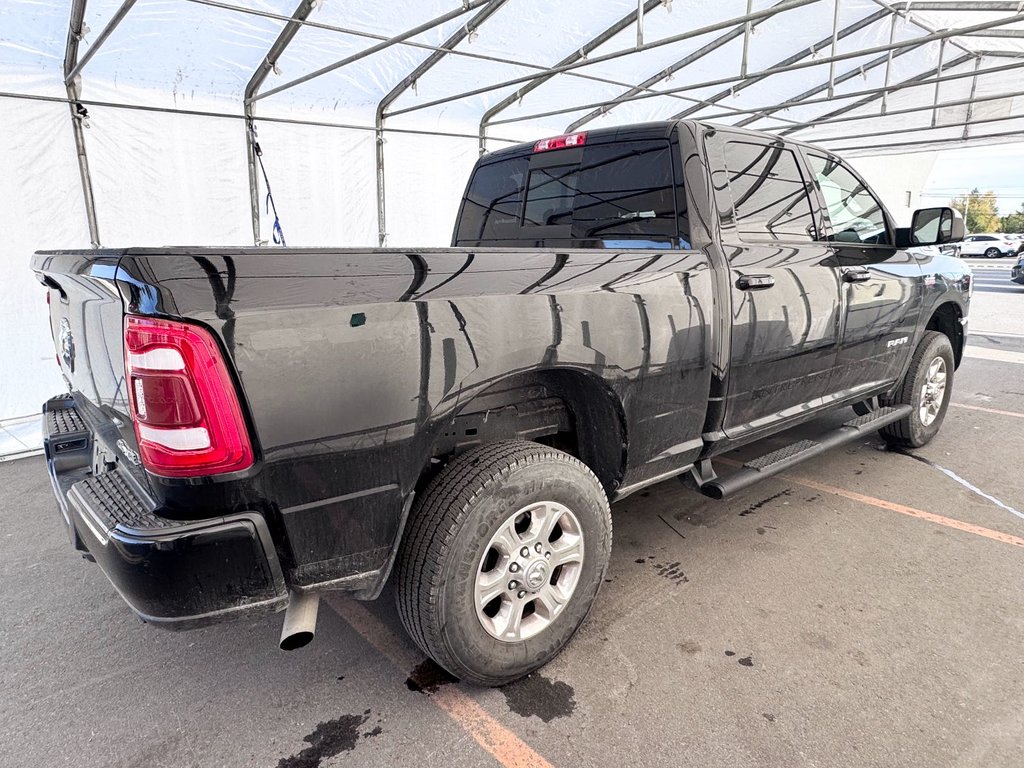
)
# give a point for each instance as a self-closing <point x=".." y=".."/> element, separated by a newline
<point x="981" y="214"/>
<point x="1014" y="222"/>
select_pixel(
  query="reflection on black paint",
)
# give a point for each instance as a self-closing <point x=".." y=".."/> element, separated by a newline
<point x="223" y="293"/>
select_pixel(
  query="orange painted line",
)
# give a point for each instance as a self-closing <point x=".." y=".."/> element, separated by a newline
<point x="504" y="745"/>
<point x="507" y="748"/>
<point x="903" y="509"/>
<point x="988" y="410"/>
<point x="892" y="506"/>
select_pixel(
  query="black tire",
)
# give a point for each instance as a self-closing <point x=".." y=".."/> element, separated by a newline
<point x="992" y="253"/>
<point x="450" y="530"/>
<point x="912" y="432"/>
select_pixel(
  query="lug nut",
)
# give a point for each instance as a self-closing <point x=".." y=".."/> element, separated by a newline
<point x="525" y="552"/>
<point x="522" y="594"/>
<point x="514" y="567"/>
<point x="547" y="555"/>
<point x="513" y="584"/>
<point x="539" y="547"/>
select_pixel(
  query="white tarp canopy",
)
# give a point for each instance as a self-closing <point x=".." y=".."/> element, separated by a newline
<point x="125" y="123"/>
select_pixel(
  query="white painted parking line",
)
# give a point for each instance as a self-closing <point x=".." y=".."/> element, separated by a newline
<point x="999" y="355"/>
<point x="977" y="332"/>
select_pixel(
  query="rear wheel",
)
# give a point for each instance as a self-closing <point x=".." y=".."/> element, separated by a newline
<point x="503" y="557"/>
<point x="927" y="388"/>
<point x="992" y="253"/>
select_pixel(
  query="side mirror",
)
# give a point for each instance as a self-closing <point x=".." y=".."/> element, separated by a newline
<point x="934" y="226"/>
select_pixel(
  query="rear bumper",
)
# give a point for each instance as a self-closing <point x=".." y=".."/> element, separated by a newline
<point x="172" y="573"/>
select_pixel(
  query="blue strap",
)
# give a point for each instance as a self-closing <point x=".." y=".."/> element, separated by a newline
<point x="278" y="231"/>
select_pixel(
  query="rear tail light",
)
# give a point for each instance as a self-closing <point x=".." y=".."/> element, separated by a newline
<point x="187" y="416"/>
<point x="561" y="142"/>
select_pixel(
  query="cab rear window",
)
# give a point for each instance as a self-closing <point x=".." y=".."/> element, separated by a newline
<point x="617" y="195"/>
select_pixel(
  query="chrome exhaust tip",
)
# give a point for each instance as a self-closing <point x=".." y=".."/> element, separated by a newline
<point x="299" y="620"/>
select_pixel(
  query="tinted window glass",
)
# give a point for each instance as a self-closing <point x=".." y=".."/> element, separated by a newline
<point x="491" y="209"/>
<point x="856" y="215"/>
<point x="550" y="195"/>
<point x="625" y="191"/>
<point x="770" y="200"/>
<point x="617" y="195"/>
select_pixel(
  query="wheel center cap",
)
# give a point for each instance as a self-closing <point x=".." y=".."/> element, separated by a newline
<point x="536" y="575"/>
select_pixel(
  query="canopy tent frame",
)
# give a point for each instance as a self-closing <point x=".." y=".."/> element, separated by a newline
<point x="425" y="66"/>
<point x="78" y="115"/>
<point x="915" y="81"/>
<point x="913" y="43"/>
<point x="574" y="64"/>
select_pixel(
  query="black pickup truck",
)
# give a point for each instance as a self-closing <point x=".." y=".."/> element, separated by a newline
<point x="247" y="428"/>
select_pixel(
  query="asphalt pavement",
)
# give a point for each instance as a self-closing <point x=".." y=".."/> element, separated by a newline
<point x="864" y="609"/>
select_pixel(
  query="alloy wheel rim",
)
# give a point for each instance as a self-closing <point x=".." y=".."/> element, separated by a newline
<point x="529" y="571"/>
<point x="933" y="392"/>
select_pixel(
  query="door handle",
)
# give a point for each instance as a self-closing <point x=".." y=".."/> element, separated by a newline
<point x="856" y="274"/>
<point x="754" y="282"/>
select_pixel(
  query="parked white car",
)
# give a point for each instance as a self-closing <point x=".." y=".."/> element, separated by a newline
<point x="990" y="246"/>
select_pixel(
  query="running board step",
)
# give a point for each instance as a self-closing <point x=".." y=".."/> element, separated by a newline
<point x="778" y="461"/>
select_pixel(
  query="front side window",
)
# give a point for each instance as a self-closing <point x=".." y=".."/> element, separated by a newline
<point x="856" y="215"/>
<point x="769" y="195"/>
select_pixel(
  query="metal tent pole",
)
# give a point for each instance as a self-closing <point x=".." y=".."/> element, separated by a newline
<point x="915" y="43"/>
<point x="558" y="69"/>
<point x="842" y="34"/>
<point x="970" y="107"/>
<point x="284" y="39"/>
<point x="426" y="65"/>
<point x="78" y="115"/>
<point x="831" y="119"/>
<point x="116" y="19"/>
<point x="874" y="93"/>
<point x="418" y="30"/>
<point x="670" y="70"/>
<point x="572" y="58"/>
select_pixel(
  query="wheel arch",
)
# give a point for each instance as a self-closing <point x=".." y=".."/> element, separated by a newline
<point x="598" y="433"/>
<point x="947" y="319"/>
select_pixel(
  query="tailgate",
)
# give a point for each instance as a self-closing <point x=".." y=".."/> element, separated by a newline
<point x="86" y="323"/>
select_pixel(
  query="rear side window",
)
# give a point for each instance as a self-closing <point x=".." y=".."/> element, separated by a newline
<point x="769" y="194"/>
<point x="607" y="195"/>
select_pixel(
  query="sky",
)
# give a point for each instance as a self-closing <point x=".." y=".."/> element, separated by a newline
<point x="999" y="168"/>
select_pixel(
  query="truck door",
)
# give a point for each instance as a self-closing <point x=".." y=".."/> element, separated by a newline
<point x="882" y="284"/>
<point x="785" y="288"/>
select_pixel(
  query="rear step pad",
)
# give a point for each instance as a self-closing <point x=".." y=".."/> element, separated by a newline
<point x="66" y="437"/>
<point x="777" y="461"/>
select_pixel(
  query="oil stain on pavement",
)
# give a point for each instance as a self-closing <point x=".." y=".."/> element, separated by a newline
<point x="672" y="571"/>
<point x="427" y="677"/>
<point x="537" y="695"/>
<point x="329" y="739"/>
<point x="758" y="504"/>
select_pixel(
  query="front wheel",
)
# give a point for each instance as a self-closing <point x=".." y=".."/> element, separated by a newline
<point x="502" y="559"/>
<point x="992" y="253"/>
<point x="926" y="388"/>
